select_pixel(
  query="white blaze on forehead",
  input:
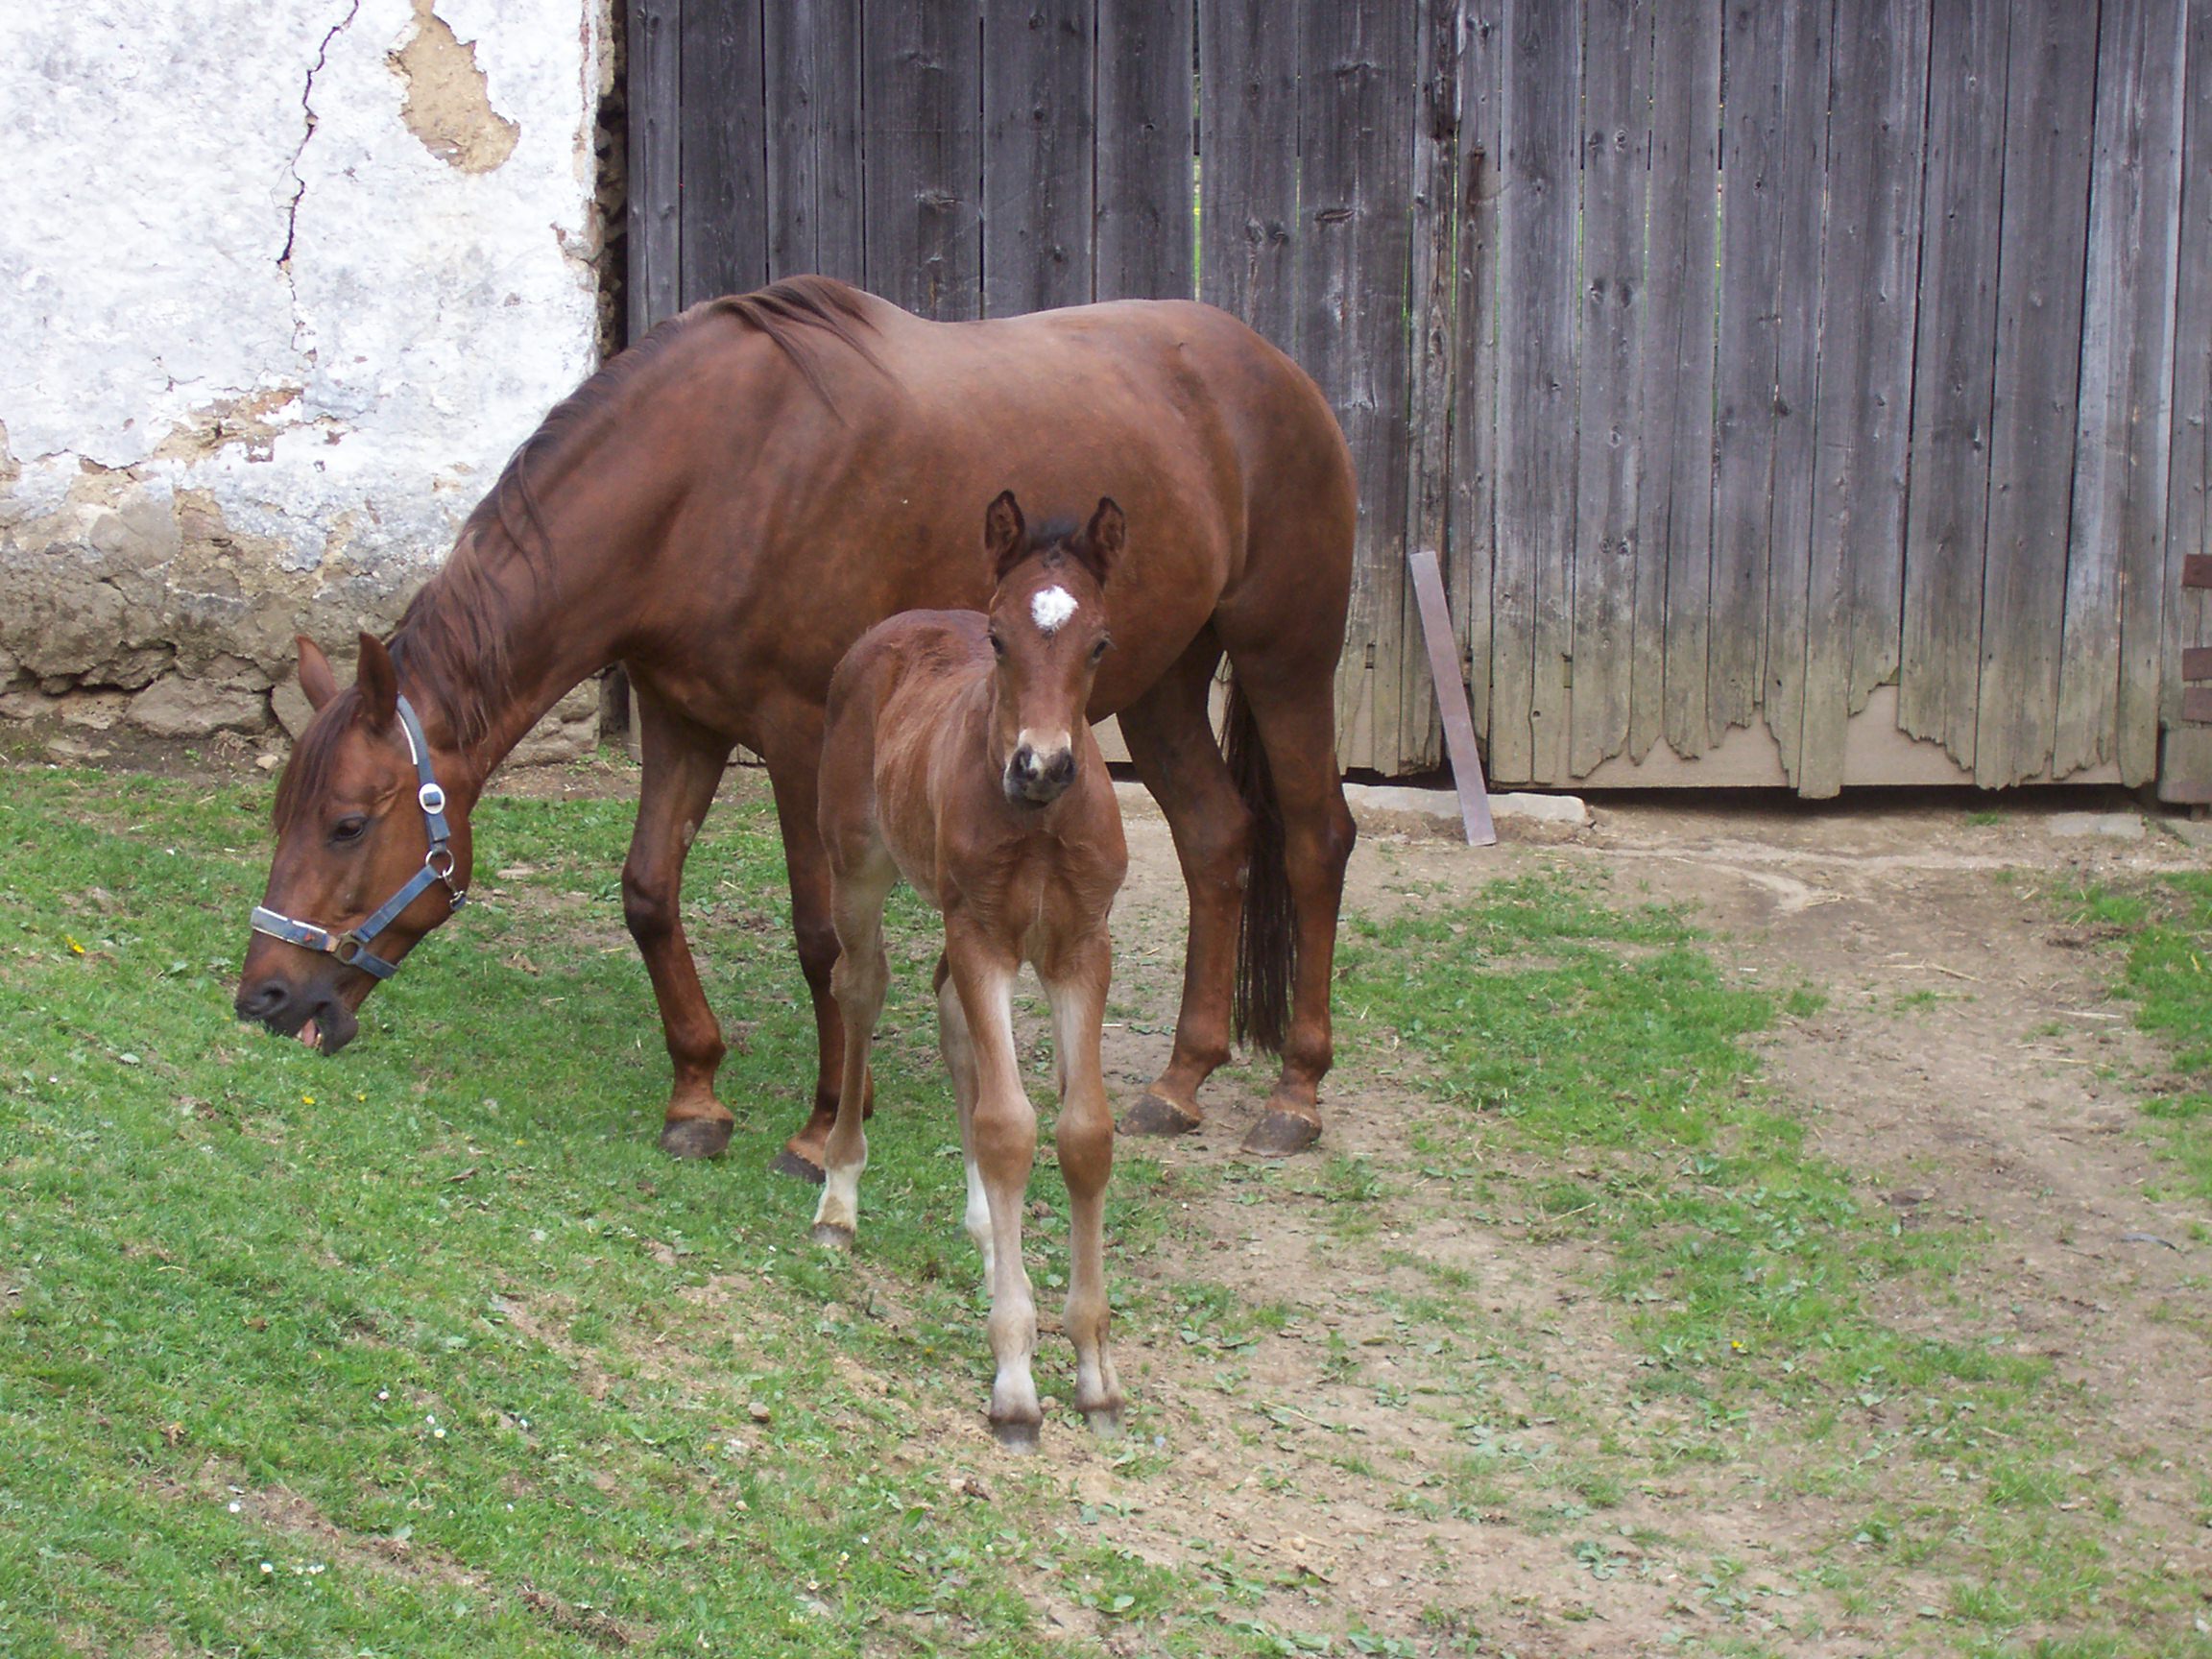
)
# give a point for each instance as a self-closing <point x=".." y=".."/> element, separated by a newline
<point x="1050" y="608"/>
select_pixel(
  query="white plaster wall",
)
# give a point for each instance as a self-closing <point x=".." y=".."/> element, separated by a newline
<point x="211" y="441"/>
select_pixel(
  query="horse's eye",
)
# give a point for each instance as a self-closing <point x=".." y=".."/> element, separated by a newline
<point x="350" y="828"/>
<point x="1100" y="650"/>
<point x="997" y="644"/>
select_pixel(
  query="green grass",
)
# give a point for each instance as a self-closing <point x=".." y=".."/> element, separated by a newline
<point x="426" y="1350"/>
<point x="2165" y="928"/>
<point x="1601" y="1086"/>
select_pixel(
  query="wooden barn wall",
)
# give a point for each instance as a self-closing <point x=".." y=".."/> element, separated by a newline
<point x="1800" y="394"/>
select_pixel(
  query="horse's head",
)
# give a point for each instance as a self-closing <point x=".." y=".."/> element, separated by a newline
<point x="368" y="861"/>
<point x="1049" y="632"/>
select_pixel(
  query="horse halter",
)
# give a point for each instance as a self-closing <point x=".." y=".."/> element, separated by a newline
<point x="351" y="947"/>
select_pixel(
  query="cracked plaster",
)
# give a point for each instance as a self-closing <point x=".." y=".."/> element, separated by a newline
<point x="269" y="345"/>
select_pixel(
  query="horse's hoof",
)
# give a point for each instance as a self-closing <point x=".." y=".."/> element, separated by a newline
<point x="1157" y="1114"/>
<point x="1105" y="1421"/>
<point x="833" y="1235"/>
<point x="1018" y="1436"/>
<point x="1278" y="1134"/>
<point x="798" y="1167"/>
<point x="696" y="1137"/>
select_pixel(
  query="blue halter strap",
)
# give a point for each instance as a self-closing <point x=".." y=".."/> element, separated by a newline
<point x="351" y="947"/>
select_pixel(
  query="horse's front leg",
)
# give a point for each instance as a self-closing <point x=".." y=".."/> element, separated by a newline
<point x="794" y="757"/>
<point x="1003" y="1140"/>
<point x="1075" y="985"/>
<point x="683" y="765"/>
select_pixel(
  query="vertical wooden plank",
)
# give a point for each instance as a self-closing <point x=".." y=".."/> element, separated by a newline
<point x="2108" y="656"/>
<point x="1356" y="103"/>
<point x="2050" y="108"/>
<point x="725" y="209"/>
<point x="1530" y="616"/>
<point x="1802" y="145"/>
<point x="1675" y="504"/>
<point x="1248" y="57"/>
<point x="2185" y="768"/>
<point x="810" y="51"/>
<point x="1875" y="138"/>
<point x="1429" y="448"/>
<point x="654" y="231"/>
<point x="1037" y="155"/>
<point x="1754" y="51"/>
<point x="1615" y="151"/>
<point x="1145" y="238"/>
<point x="923" y="156"/>
<point x="1947" y="508"/>
<point x="1470" y="570"/>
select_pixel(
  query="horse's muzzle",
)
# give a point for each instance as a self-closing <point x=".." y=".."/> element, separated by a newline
<point x="1035" y="780"/>
<point x="289" y="1012"/>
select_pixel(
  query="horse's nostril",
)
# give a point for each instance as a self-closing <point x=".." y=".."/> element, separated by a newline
<point x="1063" y="767"/>
<point x="1026" y="763"/>
<point x="262" y="1000"/>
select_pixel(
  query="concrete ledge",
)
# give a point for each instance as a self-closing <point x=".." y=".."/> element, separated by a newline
<point x="1397" y="809"/>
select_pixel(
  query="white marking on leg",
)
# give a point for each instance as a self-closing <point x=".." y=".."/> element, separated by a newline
<point x="840" y="1205"/>
<point x="977" y="1219"/>
<point x="1050" y="608"/>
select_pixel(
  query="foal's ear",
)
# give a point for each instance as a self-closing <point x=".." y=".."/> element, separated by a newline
<point x="378" y="684"/>
<point x="1103" y="538"/>
<point x="316" y="681"/>
<point x="1003" y="533"/>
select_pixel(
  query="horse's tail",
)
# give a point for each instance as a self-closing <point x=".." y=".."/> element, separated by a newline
<point x="1267" y="935"/>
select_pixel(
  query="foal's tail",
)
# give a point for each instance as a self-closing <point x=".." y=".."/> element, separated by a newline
<point x="1267" y="935"/>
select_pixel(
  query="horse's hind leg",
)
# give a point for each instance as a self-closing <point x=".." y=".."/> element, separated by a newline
<point x="1076" y="988"/>
<point x="683" y="764"/>
<point x="1294" y="706"/>
<point x="861" y="974"/>
<point x="1172" y="742"/>
<point x="1003" y="1139"/>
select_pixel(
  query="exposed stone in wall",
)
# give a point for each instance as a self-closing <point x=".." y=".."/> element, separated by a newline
<point x="447" y="107"/>
<point x="289" y="279"/>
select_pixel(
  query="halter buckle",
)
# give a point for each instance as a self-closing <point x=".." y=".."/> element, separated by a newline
<point x="431" y="798"/>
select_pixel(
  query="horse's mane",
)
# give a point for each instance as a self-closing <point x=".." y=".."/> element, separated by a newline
<point x="452" y="635"/>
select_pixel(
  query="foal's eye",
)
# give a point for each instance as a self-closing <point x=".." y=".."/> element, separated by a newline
<point x="997" y="644"/>
<point x="350" y="828"/>
<point x="1100" y="650"/>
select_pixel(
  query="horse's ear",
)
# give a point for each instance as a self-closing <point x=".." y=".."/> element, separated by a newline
<point x="1003" y="533"/>
<point x="378" y="684"/>
<point x="1103" y="538"/>
<point x="316" y="681"/>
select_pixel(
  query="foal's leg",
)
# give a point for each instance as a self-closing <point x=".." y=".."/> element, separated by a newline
<point x="684" y="764"/>
<point x="1075" y="984"/>
<point x="859" y="979"/>
<point x="1172" y="742"/>
<point x="1003" y="1140"/>
<point x="958" y="1048"/>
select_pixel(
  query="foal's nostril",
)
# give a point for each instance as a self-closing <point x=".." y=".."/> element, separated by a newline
<point x="263" y="1000"/>
<point x="1026" y="763"/>
<point x="1062" y="769"/>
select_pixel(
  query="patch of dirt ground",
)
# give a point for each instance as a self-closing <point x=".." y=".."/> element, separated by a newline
<point x="1339" y="1474"/>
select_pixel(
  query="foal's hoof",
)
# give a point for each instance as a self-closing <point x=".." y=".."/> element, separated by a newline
<point x="831" y="1235"/>
<point x="1277" y="1134"/>
<point x="798" y="1167"/>
<point x="695" y="1137"/>
<point x="1157" y="1114"/>
<point x="1017" y="1437"/>
<point x="1105" y="1421"/>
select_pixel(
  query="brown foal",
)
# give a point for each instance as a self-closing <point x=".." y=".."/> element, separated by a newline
<point x="957" y="753"/>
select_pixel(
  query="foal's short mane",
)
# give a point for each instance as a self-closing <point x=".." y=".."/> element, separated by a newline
<point x="452" y="638"/>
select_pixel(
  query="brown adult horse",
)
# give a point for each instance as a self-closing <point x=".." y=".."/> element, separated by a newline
<point x="725" y="508"/>
<point x="956" y="754"/>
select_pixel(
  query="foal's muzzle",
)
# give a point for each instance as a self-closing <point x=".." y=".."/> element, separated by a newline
<point x="1038" y="780"/>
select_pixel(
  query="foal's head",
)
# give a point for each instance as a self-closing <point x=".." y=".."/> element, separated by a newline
<point x="1049" y="632"/>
